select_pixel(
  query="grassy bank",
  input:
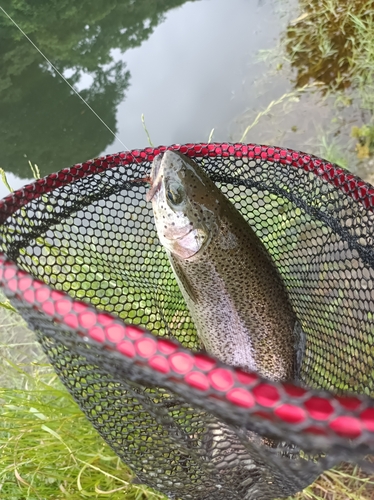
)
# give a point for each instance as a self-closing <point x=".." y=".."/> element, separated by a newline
<point x="48" y="449"/>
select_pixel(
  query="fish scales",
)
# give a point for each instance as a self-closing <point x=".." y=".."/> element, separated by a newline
<point x="232" y="288"/>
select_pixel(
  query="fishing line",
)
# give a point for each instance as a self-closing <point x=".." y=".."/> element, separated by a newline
<point x="65" y="80"/>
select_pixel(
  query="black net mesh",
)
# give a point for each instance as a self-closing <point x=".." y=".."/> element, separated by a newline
<point x="88" y="231"/>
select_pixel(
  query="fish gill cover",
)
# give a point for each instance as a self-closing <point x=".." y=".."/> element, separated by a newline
<point x="83" y="264"/>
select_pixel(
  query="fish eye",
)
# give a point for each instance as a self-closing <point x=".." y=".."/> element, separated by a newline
<point x="175" y="193"/>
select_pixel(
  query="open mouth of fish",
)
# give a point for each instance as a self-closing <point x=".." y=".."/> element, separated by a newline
<point x="153" y="190"/>
<point x="154" y="179"/>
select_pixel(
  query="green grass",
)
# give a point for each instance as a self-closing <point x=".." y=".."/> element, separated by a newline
<point x="365" y="140"/>
<point x="292" y="96"/>
<point x="331" y="42"/>
<point x="48" y="449"/>
<point x="344" y="483"/>
<point x="331" y="151"/>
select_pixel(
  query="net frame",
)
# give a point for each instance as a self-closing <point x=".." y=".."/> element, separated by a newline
<point x="318" y="421"/>
<point x="314" y="419"/>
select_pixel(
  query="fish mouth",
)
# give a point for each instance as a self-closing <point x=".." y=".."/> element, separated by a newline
<point x="152" y="190"/>
<point x="155" y="177"/>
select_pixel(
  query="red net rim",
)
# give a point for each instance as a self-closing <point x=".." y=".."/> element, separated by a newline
<point x="320" y="413"/>
<point x="350" y="184"/>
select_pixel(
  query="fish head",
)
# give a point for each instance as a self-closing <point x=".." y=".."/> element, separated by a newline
<point x="184" y="204"/>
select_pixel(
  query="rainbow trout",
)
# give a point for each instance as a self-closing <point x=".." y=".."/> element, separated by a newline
<point x="232" y="288"/>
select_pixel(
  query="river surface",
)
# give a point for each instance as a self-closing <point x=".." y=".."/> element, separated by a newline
<point x="188" y="67"/>
<point x="193" y="73"/>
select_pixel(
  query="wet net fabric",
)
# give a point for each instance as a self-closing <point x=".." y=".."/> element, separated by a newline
<point x="88" y="232"/>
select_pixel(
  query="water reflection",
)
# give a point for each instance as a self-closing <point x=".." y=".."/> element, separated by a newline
<point x="40" y="117"/>
<point x="52" y="126"/>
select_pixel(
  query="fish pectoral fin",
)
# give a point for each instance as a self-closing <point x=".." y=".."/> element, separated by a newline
<point x="184" y="283"/>
<point x="300" y="345"/>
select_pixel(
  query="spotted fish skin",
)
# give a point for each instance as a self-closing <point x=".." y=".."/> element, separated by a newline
<point x="232" y="288"/>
